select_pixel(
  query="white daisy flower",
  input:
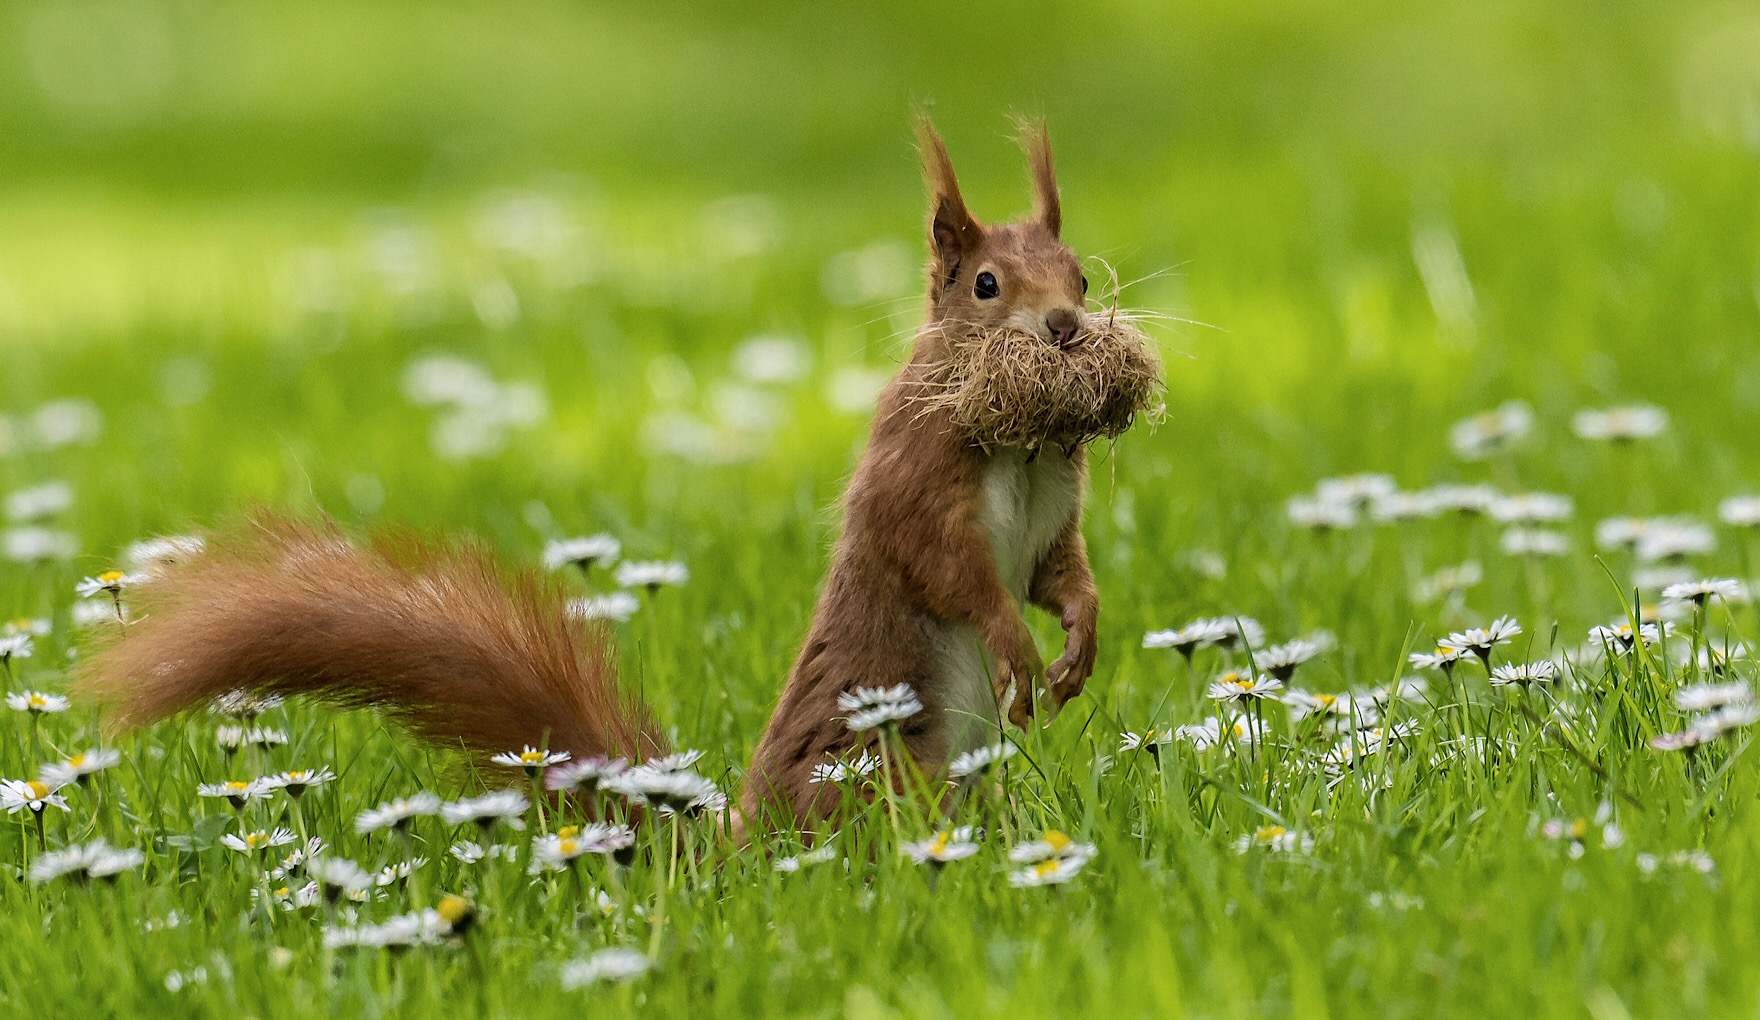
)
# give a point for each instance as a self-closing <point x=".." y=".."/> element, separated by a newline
<point x="1320" y="515"/>
<point x="869" y="707"/>
<point x="1444" y="658"/>
<point x="1210" y="733"/>
<point x="943" y="848"/>
<point x="338" y="876"/>
<point x="15" y="646"/>
<point x="229" y="738"/>
<point x="296" y="859"/>
<point x="238" y="792"/>
<point x="1544" y="671"/>
<point x="1674" y="539"/>
<point x="819" y="855"/>
<point x="1620" y="424"/>
<point x="669" y="791"/>
<point x="1303" y="704"/>
<point x="1281" y="660"/>
<point x="265" y="737"/>
<point x="1537" y="542"/>
<point x="1242" y="686"/>
<point x="979" y="760"/>
<point x="1699" y="592"/>
<point x="243" y="704"/>
<point x="1274" y="839"/>
<point x="151" y="555"/>
<point x="28" y="626"/>
<point x="584" y="553"/>
<point x="397" y="814"/>
<point x="557" y="850"/>
<point x="497" y="806"/>
<point x="262" y="839"/>
<point x="839" y="771"/>
<point x="297" y="781"/>
<point x="1734" y="716"/>
<point x="19" y="794"/>
<point x="1150" y="740"/>
<point x="1740" y="511"/>
<point x="108" y="863"/>
<point x="1491" y="432"/>
<point x="1361" y="490"/>
<point x="1532" y="508"/>
<point x="76" y="768"/>
<point x="678" y="761"/>
<point x="533" y="760"/>
<point x="1619" y="634"/>
<point x="618" y="606"/>
<point x="614" y="965"/>
<point x="36" y="702"/>
<point x="60" y="863"/>
<point x="584" y="775"/>
<point x="1462" y="499"/>
<point x="38" y="545"/>
<point x="1052" y="871"/>
<point x="1051" y="845"/>
<point x="39" y="501"/>
<point x="391" y="874"/>
<point x="1481" y="640"/>
<point x="110" y="582"/>
<point x="1704" y="697"/>
<point x="652" y="576"/>
<point x="1396" y="507"/>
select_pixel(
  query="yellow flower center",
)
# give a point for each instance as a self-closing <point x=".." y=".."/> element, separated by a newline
<point x="531" y="757"/>
<point x="1269" y="833"/>
<point x="256" y="840"/>
<point x="39" y="789"/>
<point x="77" y="761"/>
<point x="1057" y="841"/>
<point x="38" y="701"/>
<point x="452" y="907"/>
<point x="283" y="893"/>
<point x="568" y="832"/>
<point x="1579" y="828"/>
<point x="236" y="787"/>
<point x="297" y="777"/>
<point x="1046" y="867"/>
<point x="568" y="847"/>
<point x="940" y="843"/>
<point x="1326" y="700"/>
<point x="111" y="576"/>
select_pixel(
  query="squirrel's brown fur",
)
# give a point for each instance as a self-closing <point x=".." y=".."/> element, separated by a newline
<point x="946" y="537"/>
<point x="436" y="633"/>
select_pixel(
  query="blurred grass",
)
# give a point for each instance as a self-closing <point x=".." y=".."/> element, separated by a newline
<point x="208" y="222"/>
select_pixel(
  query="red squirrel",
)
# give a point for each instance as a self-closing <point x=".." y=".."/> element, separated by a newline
<point x="946" y="537"/>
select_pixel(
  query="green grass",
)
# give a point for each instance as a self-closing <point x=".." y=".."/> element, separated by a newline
<point x="188" y="239"/>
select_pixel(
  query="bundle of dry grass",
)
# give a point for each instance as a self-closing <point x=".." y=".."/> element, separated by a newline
<point x="1012" y="387"/>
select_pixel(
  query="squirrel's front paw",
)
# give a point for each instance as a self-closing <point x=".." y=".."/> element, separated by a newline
<point x="1070" y="673"/>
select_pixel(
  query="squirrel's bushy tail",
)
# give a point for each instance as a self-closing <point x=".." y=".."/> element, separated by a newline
<point x="433" y="632"/>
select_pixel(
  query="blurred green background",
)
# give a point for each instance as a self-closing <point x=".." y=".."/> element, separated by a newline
<point x="233" y="226"/>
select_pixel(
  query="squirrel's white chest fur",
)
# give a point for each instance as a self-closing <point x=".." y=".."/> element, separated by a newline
<point x="1027" y="502"/>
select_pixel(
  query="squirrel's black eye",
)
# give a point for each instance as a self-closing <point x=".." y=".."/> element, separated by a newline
<point x="1084" y="283"/>
<point x="985" y="288"/>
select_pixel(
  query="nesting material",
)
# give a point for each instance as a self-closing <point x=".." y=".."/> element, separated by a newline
<point x="1012" y="387"/>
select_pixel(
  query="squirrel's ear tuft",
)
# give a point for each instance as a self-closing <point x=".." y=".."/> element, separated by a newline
<point x="1036" y="143"/>
<point x="953" y="231"/>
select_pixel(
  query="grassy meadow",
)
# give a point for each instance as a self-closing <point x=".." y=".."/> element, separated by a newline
<point x="540" y="270"/>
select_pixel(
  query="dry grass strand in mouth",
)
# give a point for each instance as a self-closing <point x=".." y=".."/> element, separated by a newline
<point x="1012" y="387"/>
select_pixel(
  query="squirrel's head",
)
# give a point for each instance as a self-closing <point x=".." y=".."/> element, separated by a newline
<point x="1016" y="275"/>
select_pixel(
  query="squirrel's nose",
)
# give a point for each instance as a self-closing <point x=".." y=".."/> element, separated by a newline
<point x="1064" y="325"/>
